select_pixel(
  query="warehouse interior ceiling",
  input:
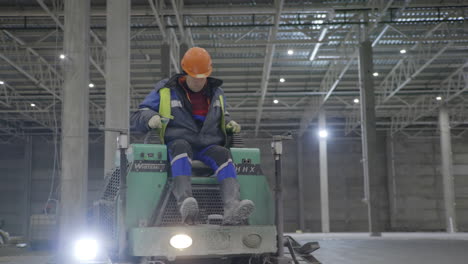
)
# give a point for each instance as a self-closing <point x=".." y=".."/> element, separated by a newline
<point x="281" y="61"/>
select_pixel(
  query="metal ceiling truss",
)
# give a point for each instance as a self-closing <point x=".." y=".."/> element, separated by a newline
<point x="269" y="54"/>
<point x="34" y="67"/>
<point x="418" y="58"/>
<point x="97" y="48"/>
<point x="320" y="74"/>
<point x="331" y="79"/>
<point x="169" y="36"/>
<point x="449" y="89"/>
<point x="26" y="108"/>
<point x="337" y="70"/>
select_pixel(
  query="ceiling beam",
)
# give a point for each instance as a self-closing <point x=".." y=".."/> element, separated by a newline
<point x="336" y="71"/>
<point x="97" y="48"/>
<point x="34" y="67"/>
<point x="452" y="87"/>
<point x="269" y="54"/>
<point x="417" y="58"/>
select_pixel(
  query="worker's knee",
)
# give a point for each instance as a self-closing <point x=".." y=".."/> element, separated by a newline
<point x="219" y="154"/>
<point x="180" y="146"/>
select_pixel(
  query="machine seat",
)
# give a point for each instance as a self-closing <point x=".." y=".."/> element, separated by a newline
<point x="199" y="169"/>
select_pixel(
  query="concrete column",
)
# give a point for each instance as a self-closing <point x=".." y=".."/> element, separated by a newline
<point x="165" y="60"/>
<point x="27" y="185"/>
<point x="117" y="75"/>
<point x="369" y="141"/>
<point x="447" y="170"/>
<point x="324" y="205"/>
<point x="75" y="118"/>
<point x="300" y="182"/>
<point x="182" y="49"/>
<point x="391" y="181"/>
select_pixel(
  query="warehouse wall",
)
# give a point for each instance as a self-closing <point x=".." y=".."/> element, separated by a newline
<point x="14" y="180"/>
<point x="43" y="158"/>
<point x="13" y="177"/>
<point x="348" y="212"/>
<point x="417" y="200"/>
<point x="410" y="192"/>
<point x="409" y="177"/>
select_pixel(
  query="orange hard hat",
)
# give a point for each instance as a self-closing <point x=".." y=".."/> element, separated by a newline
<point x="197" y="63"/>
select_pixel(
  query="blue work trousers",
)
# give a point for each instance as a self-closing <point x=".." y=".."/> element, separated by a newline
<point x="216" y="157"/>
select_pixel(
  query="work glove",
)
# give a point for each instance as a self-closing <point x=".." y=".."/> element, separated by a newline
<point x="155" y="122"/>
<point x="233" y="127"/>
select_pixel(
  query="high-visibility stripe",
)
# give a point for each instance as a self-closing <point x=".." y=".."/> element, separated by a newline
<point x="165" y="104"/>
<point x="224" y="165"/>
<point x="176" y="103"/>
<point x="178" y="157"/>
<point x="223" y="122"/>
<point x="164" y="110"/>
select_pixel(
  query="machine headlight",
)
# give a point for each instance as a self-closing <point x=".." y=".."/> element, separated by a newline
<point x="181" y="241"/>
<point x="86" y="249"/>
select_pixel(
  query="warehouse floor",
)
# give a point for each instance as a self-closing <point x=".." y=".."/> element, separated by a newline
<point x="340" y="248"/>
<point x="13" y="255"/>
<point x="391" y="248"/>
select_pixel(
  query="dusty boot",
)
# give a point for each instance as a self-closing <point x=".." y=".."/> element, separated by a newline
<point x="236" y="212"/>
<point x="188" y="206"/>
<point x="189" y="211"/>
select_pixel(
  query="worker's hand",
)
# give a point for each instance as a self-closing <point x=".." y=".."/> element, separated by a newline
<point x="155" y="122"/>
<point x="233" y="127"/>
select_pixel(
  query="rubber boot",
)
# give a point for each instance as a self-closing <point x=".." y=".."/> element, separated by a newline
<point x="236" y="212"/>
<point x="188" y="206"/>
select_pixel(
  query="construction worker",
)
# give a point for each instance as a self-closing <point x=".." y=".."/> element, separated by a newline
<point x="188" y="110"/>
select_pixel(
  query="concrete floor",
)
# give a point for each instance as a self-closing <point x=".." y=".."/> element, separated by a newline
<point x="340" y="248"/>
<point x="391" y="248"/>
<point x="14" y="255"/>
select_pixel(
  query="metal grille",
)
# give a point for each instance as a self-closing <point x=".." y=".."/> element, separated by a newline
<point x="209" y="202"/>
<point x="106" y="208"/>
<point x="112" y="185"/>
<point x="106" y="217"/>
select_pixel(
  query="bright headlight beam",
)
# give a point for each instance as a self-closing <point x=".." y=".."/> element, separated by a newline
<point x="86" y="249"/>
<point x="181" y="241"/>
<point x="323" y="134"/>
